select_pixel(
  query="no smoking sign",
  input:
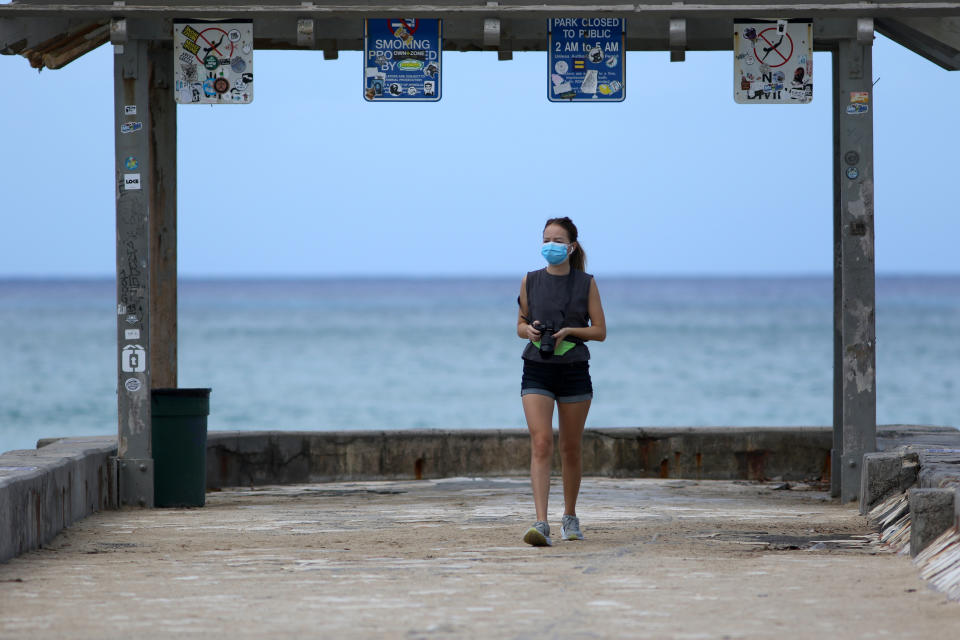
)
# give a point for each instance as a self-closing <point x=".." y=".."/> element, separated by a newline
<point x="773" y="61"/>
<point x="773" y="49"/>
<point x="213" y="62"/>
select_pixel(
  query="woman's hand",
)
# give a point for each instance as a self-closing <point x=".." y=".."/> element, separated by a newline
<point x="560" y="334"/>
<point x="532" y="333"/>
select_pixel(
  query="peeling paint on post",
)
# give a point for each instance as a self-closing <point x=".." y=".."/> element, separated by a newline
<point x="855" y="419"/>
<point x="133" y="166"/>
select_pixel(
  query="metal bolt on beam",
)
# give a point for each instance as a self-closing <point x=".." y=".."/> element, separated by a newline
<point x="118" y="34"/>
<point x="491" y="32"/>
<point x="678" y="39"/>
<point x="865" y="31"/>
<point x="306" y="36"/>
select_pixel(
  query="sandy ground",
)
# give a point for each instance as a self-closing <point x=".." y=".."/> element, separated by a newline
<point x="443" y="559"/>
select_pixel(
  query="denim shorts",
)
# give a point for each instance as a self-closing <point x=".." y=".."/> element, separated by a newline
<point x="563" y="382"/>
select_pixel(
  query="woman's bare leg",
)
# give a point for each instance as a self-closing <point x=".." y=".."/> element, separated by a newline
<point x="538" y="409"/>
<point x="573" y="415"/>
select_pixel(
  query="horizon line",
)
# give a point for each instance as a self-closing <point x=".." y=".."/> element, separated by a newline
<point x="469" y="276"/>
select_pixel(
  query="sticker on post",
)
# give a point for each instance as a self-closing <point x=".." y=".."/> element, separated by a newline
<point x="132" y="385"/>
<point x="857" y="109"/>
<point x="131" y="334"/>
<point x="133" y="359"/>
<point x="131" y="181"/>
<point x="131" y="163"/>
<point x="130" y="127"/>
<point x="859" y="97"/>
<point x="130" y="110"/>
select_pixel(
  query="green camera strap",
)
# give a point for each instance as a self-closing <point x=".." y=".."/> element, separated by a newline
<point x="560" y="349"/>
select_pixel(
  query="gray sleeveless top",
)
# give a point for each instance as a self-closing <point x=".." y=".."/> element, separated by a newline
<point x="546" y="296"/>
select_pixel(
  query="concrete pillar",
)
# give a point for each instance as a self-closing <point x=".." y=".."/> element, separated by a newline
<point x="855" y="420"/>
<point x="163" y="216"/>
<point x="134" y="172"/>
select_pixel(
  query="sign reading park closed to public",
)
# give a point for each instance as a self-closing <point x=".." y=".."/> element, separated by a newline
<point x="213" y="62"/>
<point x="773" y="61"/>
<point x="401" y="59"/>
<point x="586" y="60"/>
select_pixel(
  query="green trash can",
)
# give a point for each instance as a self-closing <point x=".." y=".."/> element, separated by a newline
<point x="179" y="442"/>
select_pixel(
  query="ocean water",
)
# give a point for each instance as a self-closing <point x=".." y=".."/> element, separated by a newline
<point x="442" y="353"/>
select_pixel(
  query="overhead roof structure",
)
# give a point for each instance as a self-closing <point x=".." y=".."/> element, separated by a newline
<point x="53" y="34"/>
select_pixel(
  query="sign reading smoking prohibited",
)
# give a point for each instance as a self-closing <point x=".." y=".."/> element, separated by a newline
<point x="402" y="59"/>
<point x="773" y="61"/>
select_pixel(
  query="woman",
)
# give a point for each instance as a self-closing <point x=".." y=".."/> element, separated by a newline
<point x="559" y="311"/>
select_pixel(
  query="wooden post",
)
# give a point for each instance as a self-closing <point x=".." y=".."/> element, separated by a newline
<point x="163" y="216"/>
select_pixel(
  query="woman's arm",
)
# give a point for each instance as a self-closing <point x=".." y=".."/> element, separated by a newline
<point x="597" y="331"/>
<point x="524" y="329"/>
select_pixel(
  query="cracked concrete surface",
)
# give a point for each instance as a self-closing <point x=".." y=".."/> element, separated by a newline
<point x="443" y="559"/>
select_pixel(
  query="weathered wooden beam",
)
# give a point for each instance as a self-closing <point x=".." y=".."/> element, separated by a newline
<point x="162" y="193"/>
<point x="936" y="39"/>
<point x="57" y="57"/>
<point x="20" y="34"/>
<point x="49" y="42"/>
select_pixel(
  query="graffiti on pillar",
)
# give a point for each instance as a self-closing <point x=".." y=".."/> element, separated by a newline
<point x="131" y="283"/>
<point x="773" y="61"/>
<point x="213" y="62"/>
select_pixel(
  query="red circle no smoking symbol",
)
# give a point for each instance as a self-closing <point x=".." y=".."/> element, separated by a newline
<point x="410" y="24"/>
<point x="771" y="49"/>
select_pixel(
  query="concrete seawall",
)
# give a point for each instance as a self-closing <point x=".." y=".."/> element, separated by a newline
<point x="44" y="490"/>
<point x="288" y="457"/>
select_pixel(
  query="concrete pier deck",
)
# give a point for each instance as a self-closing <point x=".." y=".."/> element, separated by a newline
<point x="663" y="558"/>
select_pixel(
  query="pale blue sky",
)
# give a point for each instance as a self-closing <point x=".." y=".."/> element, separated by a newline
<point x="312" y="180"/>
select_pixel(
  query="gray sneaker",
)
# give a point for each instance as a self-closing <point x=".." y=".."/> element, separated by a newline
<point x="538" y="535"/>
<point x="570" y="528"/>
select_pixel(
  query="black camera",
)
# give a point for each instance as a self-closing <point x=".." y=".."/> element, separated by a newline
<point x="547" y="340"/>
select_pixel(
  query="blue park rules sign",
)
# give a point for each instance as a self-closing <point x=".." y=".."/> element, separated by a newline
<point x="401" y="60"/>
<point x="587" y="61"/>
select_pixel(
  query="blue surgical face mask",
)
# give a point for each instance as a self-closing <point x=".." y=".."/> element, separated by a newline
<point x="554" y="252"/>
